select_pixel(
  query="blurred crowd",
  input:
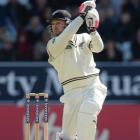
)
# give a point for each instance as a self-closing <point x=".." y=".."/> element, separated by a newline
<point x="24" y="33"/>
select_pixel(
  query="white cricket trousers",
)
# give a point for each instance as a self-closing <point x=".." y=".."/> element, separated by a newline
<point x="81" y="108"/>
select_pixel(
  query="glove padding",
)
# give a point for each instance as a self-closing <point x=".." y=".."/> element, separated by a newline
<point x="92" y="20"/>
<point x="87" y="5"/>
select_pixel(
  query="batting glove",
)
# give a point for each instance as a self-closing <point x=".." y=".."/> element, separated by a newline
<point x="87" y="5"/>
<point x="92" y="20"/>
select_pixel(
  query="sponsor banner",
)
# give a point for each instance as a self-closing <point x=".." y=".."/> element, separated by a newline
<point x="122" y="80"/>
<point x="119" y="122"/>
<point x="116" y="122"/>
<point x="16" y="79"/>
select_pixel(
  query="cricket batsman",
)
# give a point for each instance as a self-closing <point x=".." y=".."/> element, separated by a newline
<point x="71" y="55"/>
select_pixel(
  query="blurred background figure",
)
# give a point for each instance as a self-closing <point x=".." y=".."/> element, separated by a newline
<point x="136" y="47"/>
<point x="24" y="47"/>
<point x="15" y="12"/>
<point x="119" y="20"/>
<point x="34" y="29"/>
<point x="111" y="53"/>
<point x="8" y="52"/>
<point x="38" y="8"/>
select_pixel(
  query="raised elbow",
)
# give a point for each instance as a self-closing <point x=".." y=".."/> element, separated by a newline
<point x="97" y="47"/>
<point x="97" y="43"/>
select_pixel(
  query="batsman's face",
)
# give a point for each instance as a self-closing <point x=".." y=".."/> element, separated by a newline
<point x="58" y="26"/>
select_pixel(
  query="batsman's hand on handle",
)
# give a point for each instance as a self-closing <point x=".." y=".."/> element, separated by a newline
<point x="85" y="7"/>
<point x="92" y="20"/>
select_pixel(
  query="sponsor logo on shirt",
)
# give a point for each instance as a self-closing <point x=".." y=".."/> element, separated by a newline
<point x="70" y="45"/>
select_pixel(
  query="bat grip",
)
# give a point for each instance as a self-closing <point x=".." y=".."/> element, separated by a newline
<point x="87" y="9"/>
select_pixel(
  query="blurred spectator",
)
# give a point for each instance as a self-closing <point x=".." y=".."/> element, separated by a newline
<point x="38" y="8"/>
<point x="34" y="29"/>
<point x="74" y="11"/>
<point x="39" y="50"/>
<point x="110" y="53"/>
<point x="2" y="14"/>
<point x="46" y="36"/>
<point x="133" y="7"/>
<point x="105" y="5"/>
<point x="46" y="15"/>
<point x="125" y="27"/>
<point x="107" y="19"/>
<point x="7" y="24"/>
<point x="3" y="2"/>
<point x="23" y="47"/>
<point x="24" y="2"/>
<point x="125" y="48"/>
<point x="117" y="7"/>
<point x="136" y="13"/>
<point x="119" y="21"/>
<point x="40" y="53"/>
<point x="11" y="29"/>
<point x="136" y="47"/>
<point x="8" y="52"/>
<point x="107" y="27"/>
<point x="2" y="36"/>
<point x="124" y="34"/>
<point x="17" y="13"/>
<point x="6" y="34"/>
<point x="57" y="4"/>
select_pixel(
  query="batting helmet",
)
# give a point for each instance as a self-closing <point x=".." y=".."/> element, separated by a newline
<point x="60" y="15"/>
